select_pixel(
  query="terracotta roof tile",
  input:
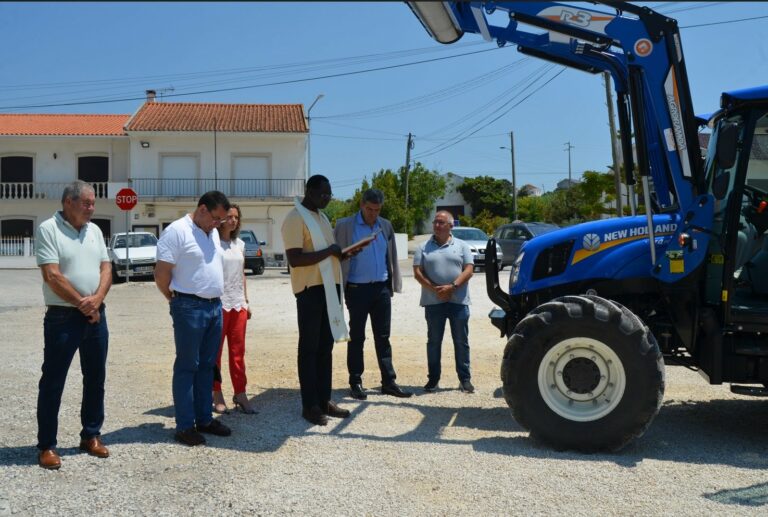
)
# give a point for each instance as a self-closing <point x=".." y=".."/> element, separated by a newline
<point x="239" y="118"/>
<point x="35" y="124"/>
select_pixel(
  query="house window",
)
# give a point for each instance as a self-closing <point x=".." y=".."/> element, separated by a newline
<point x="179" y="175"/>
<point x="250" y="176"/>
<point x="16" y="228"/>
<point x="16" y="177"/>
<point x="105" y="225"/>
<point x="94" y="170"/>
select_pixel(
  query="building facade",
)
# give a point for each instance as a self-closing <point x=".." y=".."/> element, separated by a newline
<point x="169" y="153"/>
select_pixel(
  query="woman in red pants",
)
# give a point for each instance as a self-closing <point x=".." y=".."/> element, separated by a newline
<point x="234" y="304"/>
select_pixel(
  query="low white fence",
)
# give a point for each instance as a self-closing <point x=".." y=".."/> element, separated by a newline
<point x="13" y="246"/>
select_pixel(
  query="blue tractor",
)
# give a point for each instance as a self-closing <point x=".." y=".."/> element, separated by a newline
<point x="593" y="311"/>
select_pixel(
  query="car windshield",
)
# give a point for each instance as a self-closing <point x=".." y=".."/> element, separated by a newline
<point x="469" y="234"/>
<point x="541" y="229"/>
<point x="136" y="241"/>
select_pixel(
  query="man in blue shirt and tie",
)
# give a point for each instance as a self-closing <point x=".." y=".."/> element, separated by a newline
<point x="370" y="279"/>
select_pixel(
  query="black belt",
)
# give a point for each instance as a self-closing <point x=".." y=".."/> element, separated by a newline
<point x="196" y="297"/>
<point x="65" y="308"/>
<point x="367" y="283"/>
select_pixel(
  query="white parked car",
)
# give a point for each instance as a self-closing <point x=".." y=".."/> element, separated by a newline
<point x="477" y="240"/>
<point x="141" y="251"/>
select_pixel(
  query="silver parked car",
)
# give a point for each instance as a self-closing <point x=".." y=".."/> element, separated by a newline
<point x="510" y="237"/>
<point x="477" y="240"/>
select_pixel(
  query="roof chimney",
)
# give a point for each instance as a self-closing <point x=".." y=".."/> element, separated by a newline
<point x="151" y="95"/>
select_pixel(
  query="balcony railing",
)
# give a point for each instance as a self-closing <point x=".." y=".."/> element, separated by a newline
<point x="149" y="188"/>
<point x="18" y="190"/>
<point x="283" y="188"/>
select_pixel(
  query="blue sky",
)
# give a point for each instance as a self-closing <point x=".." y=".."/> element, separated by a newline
<point x="80" y="52"/>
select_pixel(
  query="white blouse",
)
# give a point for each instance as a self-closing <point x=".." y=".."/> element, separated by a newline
<point x="234" y="263"/>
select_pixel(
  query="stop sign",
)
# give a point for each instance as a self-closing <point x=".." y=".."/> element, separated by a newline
<point x="126" y="199"/>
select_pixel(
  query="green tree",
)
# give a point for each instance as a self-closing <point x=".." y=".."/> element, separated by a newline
<point x="425" y="187"/>
<point x="485" y="193"/>
<point x="532" y="208"/>
<point x="337" y="209"/>
<point x="485" y="220"/>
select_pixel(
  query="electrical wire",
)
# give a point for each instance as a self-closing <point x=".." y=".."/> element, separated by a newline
<point x="276" y="83"/>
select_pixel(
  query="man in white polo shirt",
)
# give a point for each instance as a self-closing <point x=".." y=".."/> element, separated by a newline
<point x="76" y="278"/>
<point x="190" y="274"/>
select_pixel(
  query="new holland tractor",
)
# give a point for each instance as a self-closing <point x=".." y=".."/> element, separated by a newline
<point x="593" y="311"/>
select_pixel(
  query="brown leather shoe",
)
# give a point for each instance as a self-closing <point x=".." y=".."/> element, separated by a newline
<point x="335" y="411"/>
<point x="94" y="447"/>
<point x="49" y="459"/>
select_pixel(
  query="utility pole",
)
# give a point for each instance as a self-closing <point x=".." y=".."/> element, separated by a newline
<point x="514" y="176"/>
<point x="408" y="147"/>
<point x="568" y="148"/>
<point x="309" y="134"/>
<point x="612" y="126"/>
<point x="215" y="158"/>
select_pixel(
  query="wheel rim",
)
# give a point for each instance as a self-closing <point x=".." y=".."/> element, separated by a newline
<point x="581" y="379"/>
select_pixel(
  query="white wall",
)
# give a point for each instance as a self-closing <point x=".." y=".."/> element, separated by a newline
<point x="63" y="168"/>
<point x="284" y="151"/>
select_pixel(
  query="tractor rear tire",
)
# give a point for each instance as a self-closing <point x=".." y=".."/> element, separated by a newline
<point x="583" y="373"/>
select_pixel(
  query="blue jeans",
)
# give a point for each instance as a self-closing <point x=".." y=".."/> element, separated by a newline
<point x="65" y="331"/>
<point x="458" y="316"/>
<point x="197" y="327"/>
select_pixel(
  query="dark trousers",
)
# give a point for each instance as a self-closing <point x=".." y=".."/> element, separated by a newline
<point x="315" y="347"/>
<point x="66" y="330"/>
<point x="363" y="300"/>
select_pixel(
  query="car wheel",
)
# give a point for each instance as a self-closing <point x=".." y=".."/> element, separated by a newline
<point x="259" y="269"/>
<point x="583" y="373"/>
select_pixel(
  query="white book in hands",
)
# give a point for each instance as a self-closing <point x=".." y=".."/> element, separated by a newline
<point x="365" y="241"/>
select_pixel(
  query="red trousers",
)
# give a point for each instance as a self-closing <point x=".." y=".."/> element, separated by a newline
<point x="234" y="332"/>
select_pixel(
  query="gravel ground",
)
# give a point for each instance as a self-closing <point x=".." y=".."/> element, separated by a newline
<point x="446" y="453"/>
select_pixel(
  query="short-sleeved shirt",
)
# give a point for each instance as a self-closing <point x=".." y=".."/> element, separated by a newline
<point x="442" y="265"/>
<point x="234" y="262"/>
<point x="197" y="258"/>
<point x="296" y="235"/>
<point x="79" y="255"/>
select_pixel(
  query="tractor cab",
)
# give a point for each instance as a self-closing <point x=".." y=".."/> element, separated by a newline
<point x="737" y="179"/>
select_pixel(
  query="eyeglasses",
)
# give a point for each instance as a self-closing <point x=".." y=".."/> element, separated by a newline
<point x="216" y="222"/>
<point x="440" y="223"/>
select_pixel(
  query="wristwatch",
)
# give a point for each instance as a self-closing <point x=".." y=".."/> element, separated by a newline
<point x="453" y="284"/>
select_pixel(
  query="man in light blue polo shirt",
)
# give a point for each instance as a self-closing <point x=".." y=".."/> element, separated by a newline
<point x="443" y="266"/>
<point x="77" y="275"/>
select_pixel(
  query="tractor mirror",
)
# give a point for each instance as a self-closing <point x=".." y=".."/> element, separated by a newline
<point x="726" y="145"/>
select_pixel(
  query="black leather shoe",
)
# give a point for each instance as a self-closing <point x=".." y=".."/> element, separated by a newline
<point x="215" y="427"/>
<point x="394" y="390"/>
<point x="430" y="386"/>
<point x="335" y="411"/>
<point x="356" y="392"/>
<point x="315" y="415"/>
<point x="189" y="437"/>
<point x="466" y="386"/>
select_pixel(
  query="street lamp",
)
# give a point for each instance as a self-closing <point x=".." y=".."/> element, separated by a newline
<point x="309" y="133"/>
<point x="511" y="149"/>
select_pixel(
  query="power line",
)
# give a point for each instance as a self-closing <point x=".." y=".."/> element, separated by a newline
<point x="724" y="22"/>
<point x="276" y="83"/>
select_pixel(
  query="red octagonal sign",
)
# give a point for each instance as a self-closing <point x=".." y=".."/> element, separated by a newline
<point x="126" y="199"/>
